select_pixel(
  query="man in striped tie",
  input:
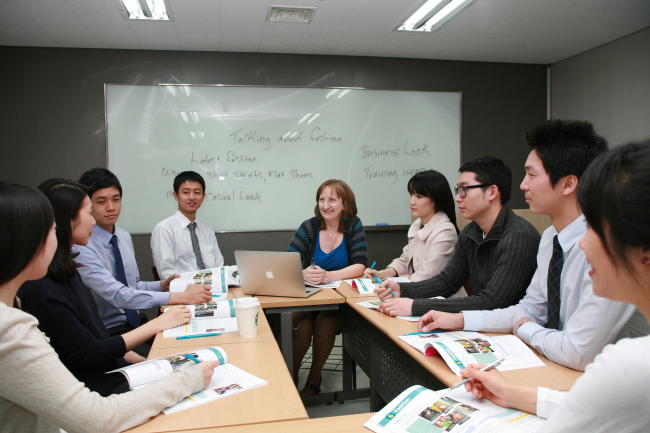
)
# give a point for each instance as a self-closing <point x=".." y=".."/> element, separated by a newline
<point x="560" y="316"/>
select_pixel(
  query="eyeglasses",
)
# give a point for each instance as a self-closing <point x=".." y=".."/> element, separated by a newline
<point x="462" y="190"/>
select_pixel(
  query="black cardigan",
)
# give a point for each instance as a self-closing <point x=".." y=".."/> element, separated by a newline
<point x="68" y="315"/>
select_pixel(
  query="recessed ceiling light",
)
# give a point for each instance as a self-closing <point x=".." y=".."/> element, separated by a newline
<point x="290" y="14"/>
<point x="433" y="14"/>
<point x="149" y="10"/>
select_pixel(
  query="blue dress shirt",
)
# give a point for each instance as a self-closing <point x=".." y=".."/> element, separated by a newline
<point x="98" y="272"/>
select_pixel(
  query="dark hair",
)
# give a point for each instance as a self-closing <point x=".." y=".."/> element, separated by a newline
<point x="349" y="203"/>
<point x="184" y="176"/>
<point x="490" y="170"/>
<point x="565" y="146"/>
<point x="434" y="185"/>
<point x="26" y="219"/>
<point x="614" y="195"/>
<point x="67" y="199"/>
<point x="99" y="178"/>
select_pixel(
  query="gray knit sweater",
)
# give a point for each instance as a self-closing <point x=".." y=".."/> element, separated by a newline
<point x="501" y="267"/>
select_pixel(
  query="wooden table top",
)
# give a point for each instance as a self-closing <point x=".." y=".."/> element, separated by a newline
<point x="323" y="297"/>
<point x="553" y="376"/>
<point x="263" y="334"/>
<point x="339" y="424"/>
<point x="277" y="401"/>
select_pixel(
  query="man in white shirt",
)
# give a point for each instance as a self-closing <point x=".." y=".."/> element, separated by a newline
<point x="180" y="243"/>
<point x="560" y="316"/>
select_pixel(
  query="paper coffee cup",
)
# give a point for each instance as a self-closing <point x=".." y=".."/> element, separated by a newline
<point x="246" y="313"/>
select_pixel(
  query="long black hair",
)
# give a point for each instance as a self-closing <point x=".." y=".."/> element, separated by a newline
<point x="66" y="198"/>
<point x="26" y="219"/>
<point x="434" y="185"/>
<point x="614" y="195"/>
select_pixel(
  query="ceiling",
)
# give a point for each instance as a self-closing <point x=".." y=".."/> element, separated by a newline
<point x="515" y="31"/>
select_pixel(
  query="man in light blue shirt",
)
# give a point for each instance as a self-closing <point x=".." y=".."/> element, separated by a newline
<point x="560" y="316"/>
<point x="116" y="284"/>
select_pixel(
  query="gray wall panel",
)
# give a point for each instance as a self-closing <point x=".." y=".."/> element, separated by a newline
<point x="52" y="110"/>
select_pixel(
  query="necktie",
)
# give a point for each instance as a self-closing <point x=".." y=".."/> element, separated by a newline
<point x="553" y="285"/>
<point x="131" y="315"/>
<point x="195" y="245"/>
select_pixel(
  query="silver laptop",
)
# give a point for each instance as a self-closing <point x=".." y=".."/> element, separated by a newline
<point x="272" y="273"/>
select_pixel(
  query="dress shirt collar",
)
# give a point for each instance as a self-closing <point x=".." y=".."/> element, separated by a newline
<point x="571" y="233"/>
<point x="182" y="219"/>
<point x="102" y="235"/>
<point x="423" y="232"/>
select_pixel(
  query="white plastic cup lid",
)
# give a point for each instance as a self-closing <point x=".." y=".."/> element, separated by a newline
<point x="246" y="302"/>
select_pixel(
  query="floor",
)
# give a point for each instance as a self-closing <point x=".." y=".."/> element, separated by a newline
<point x="333" y="381"/>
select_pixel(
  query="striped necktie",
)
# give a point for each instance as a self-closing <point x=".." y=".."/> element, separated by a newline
<point x="195" y="245"/>
<point x="553" y="285"/>
<point x="132" y="316"/>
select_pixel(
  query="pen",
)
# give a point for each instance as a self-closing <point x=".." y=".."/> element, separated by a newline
<point x="185" y="337"/>
<point x="192" y="358"/>
<point x="313" y="263"/>
<point x="373" y="265"/>
<point x="423" y="333"/>
<point x="486" y="368"/>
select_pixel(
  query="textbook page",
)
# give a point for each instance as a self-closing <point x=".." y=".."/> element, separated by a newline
<point x="226" y="381"/>
<point x="144" y="373"/>
<point x="460" y="348"/>
<point x="217" y="278"/>
<point x="212" y="309"/>
<point x="419" y="409"/>
<point x="203" y="326"/>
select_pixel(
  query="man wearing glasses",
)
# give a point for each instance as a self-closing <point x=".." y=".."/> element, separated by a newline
<point x="497" y="250"/>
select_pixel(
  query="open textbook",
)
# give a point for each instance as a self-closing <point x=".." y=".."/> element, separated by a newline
<point x="420" y="410"/>
<point x="209" y="317"/>
<point x="218" y="278"/>
<point x="461" y="348"/>
<point x="366" y="286"/>
<point x="226" y="380"/>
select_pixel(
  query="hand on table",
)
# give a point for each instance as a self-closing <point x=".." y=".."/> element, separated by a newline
<point x="396" y="306"/>
<point x="369" y="273"/>
<point x="386" y="287"/>
<point x="207" y="367"/>
<point x="518" y="323"/>
<point x="133" y="358"/>
<point x="313" y="276"/>
<point x="194" y="294"/>
<point x="440" y="320"/>
<point x="488" y="384"/>
<point x="173" y="317"/>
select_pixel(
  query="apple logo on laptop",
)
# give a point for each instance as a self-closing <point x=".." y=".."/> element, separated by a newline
<point x="269" y="274"/>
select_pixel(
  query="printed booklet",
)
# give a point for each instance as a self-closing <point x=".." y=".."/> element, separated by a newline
<point x="366" y="286"/>
<point x="226" y="380"/>
<point x="218" y="278"/>
<point x="375" y="303"/>
<point x="420" y="410"/>
<point x="460" y="348"/>
<point x="209" y="317"/>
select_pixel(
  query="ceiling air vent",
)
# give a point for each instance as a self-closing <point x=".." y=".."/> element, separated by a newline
<point x="290" y="14"/>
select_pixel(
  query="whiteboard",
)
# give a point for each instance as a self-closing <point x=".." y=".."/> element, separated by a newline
<point x="263" y="151"/>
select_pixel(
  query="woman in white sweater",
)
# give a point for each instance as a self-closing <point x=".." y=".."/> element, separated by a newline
<point x="37" y="392"/>
<point x="612" y="395"/>
<point x="432" y="236"/>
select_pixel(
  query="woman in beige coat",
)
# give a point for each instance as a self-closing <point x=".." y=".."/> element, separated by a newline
<point x="432" y="236"/>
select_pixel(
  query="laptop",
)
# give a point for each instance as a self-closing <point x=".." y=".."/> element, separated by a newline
<point x="272" y="273"/>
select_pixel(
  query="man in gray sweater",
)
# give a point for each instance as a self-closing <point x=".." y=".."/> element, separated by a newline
<point x="496" y="250"/>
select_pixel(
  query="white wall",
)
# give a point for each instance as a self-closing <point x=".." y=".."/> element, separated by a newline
<point x="608" y="86"/>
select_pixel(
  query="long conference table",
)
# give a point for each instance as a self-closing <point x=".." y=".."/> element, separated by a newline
<point x="370" y="340"/>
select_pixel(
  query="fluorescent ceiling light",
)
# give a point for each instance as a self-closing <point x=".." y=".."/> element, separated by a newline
<point x="290" y="14"/>
<point x="433" y="14"/>
<point x="150" y="10"/>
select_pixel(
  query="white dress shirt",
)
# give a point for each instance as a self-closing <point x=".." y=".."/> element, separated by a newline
<point x="587" y="322"/>
<point x="171" y="245"/>
<point x="612" y="395"/>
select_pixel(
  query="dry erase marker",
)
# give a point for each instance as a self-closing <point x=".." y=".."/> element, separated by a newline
<point x="192" y="358"/>
<point x="486" y="368"/>
<point x="185" y="337"/>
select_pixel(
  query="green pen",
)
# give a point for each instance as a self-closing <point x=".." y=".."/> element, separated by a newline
<point x="423" y="333"/>
<point x="185" y="337"/>
<point x="379" y="282"/>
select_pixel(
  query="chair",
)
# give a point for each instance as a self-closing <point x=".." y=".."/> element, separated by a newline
<point x="154" y="271"/>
